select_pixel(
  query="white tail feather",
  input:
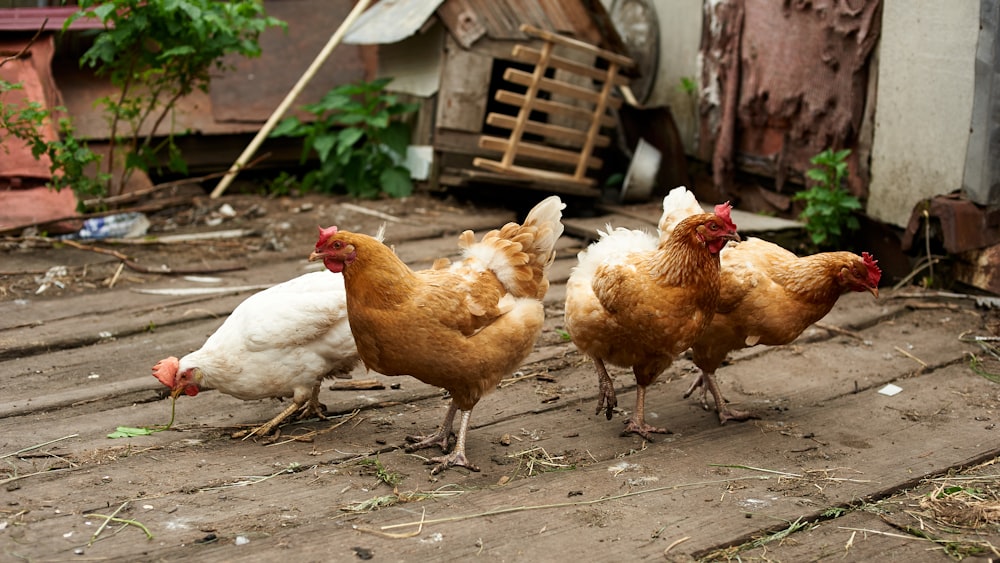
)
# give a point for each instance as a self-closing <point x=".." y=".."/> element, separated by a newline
<point x="678" y="205"/>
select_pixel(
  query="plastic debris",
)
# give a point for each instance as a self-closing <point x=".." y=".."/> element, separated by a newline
<point x="122" y="225"/>
<point x="889" y="390"/>
<point x="51" y="278"/>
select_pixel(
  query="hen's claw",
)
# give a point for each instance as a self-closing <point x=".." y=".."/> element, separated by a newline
<point x="454" y="459"/>
<point x="438" y="439"/>
<point x="606" y="398"/>
<point x="724" y="412"/>
<point x="727" y="414"/>
<point x="643" y="429"/>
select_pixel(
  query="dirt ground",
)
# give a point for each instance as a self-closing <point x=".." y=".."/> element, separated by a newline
<point x="832" y="468"/>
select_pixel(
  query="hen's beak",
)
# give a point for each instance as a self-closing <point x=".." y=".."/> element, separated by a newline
<point x="873" y="291"/>
<point x="176" y="391"/>
<point x="733" y="236"/>
<point x="314" y="256"/>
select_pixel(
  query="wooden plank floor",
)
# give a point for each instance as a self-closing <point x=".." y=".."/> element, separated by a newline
<point x="558" y="482"/>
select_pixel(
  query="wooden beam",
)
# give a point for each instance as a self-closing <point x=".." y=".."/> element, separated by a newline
<point x="522" y="78"/>
<point x="588" y="147"/>
<point x="525" y="54"/>
<point x="571" y="43"/>
<point x="546" y="106"/>
<point x="547" y="130"/>
<point x="544" y="175"/>
<point x="544" y="152"/>
<point x="525" y="111"/>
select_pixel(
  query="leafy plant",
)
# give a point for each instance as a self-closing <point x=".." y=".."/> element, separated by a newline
<point x="68" y="156"/>
<point x="358" y="138"/>
<point x="382" y="473"/>
<point x="156" y="52"/>
<point x="688" y="85"/>
<point x="830" y="208"/>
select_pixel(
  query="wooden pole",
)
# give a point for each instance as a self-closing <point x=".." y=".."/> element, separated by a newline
<point x="272" y="121"/>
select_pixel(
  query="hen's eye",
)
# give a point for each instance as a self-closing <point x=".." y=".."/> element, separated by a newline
<point x="713" y="226"/>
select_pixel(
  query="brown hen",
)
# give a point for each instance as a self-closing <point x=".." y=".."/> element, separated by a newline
<point x="636" y="300"/>
<point x="462" y="326"/>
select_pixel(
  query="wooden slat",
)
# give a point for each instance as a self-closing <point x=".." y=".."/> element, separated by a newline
<point x="535" y="150"/>
<point x="466" y="177"/>
<point x="522" y="78"/>
<point x="571" y="43"/>
<point x="530" y="97"/>
<point x="525" y="54"/>
<point x="603" y="101"/>
<point x="546" y="106"/>
<point x="547" y="130"/>
<point x="546" y="175"/>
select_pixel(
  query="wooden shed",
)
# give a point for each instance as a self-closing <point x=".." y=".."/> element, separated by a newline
<point x="513" y="92"/>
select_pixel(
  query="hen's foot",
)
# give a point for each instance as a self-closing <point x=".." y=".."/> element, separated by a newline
<point x="607" y="401"/>
<point x="606" y="398"/>
<point x="699" y="382"/>
<point x="454" y="459"/>
<point x="643" y="429"/>
<point x="727" y="414"/>
<point x="439" y="439"/>
<point x="310" y="410"/>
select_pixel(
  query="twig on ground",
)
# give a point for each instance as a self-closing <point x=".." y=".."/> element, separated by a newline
<point x="394" y="536"/>
<point x="676" y="543"/>
<point x="26" y="475"/>
<point x="104" y="524"/>
<point x="36" y="446"/>
<point x="911" y="356"/>
<point x="132" y="196"/>
<point x="314" y="433"/>
<point x="782" y="473"/>
<point x="132" y="265"/>
<point x="514" y="509"/>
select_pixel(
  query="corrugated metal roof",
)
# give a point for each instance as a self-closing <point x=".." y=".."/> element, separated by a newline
<point x="31" y="19"/>
<point x="390" y="21"/>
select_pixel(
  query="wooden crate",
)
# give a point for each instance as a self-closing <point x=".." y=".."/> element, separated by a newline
<point x="575" y="145"/>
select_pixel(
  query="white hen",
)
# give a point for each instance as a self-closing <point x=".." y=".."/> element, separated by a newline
<point x="281" y="342"/>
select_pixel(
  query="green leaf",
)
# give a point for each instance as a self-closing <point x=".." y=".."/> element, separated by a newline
<point x="350" y="136"/>
<point x="396" y="181"/>
<point x="396" y="137"/>
<point x="130" y="432"/>
<point x="104" y="10"/>
<point x="288" y="127"/>
<point x="323" y="145"/>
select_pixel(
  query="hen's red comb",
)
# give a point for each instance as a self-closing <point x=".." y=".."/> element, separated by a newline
<point x="874" y="273"/>
<point x="722" y="212"/>
<point x="325" y="234"/>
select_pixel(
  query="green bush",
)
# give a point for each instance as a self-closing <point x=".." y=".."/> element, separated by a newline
<point x="359" y="140"/>
<point x="68" y="156"/>
<point x="157" y="51"/>
<point x="830" y="209"/>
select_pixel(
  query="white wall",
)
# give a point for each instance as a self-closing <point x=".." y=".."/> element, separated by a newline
<point x="922" y="117"/>
<point x="680" y="37"/>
